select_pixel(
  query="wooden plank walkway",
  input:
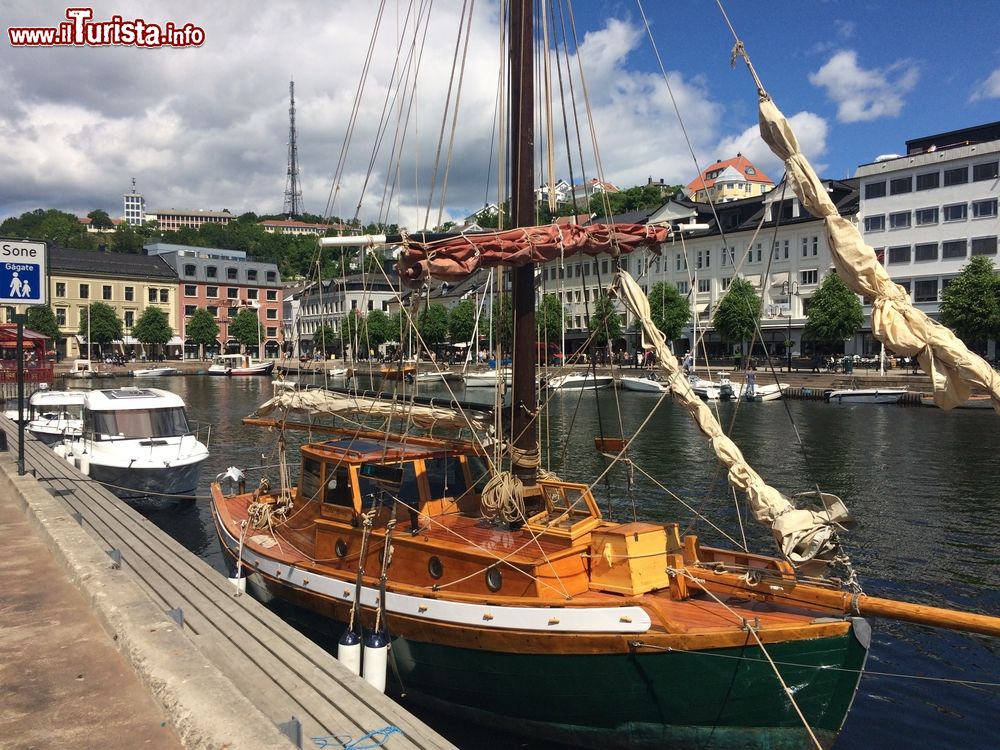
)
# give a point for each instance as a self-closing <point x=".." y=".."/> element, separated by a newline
<point x="279" y="670"/>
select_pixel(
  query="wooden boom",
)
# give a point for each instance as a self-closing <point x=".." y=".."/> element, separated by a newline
<point x="921" y="614"/>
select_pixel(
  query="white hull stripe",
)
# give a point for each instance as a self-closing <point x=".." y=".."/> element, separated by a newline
<point x="541" y="619"/>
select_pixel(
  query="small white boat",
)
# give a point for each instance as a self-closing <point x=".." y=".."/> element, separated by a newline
<point x="138" y="443"/>
<point x="707" y="390"/>
<point x="866" y="395"/>
<point x="487" y="379"/>
<point x="575" y="381"/>
<point x="55" y="416"/>
<point x="82" y="368"/>
<point x="643" y="384"/>
<point x="154" y="372"/>
<point x="757" y="392"/>
<point x="239" y="364"/>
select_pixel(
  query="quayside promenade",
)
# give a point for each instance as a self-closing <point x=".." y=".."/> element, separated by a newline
<point x="90" y="656"/>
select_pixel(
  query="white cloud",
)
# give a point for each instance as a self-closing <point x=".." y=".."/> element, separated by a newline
<point x="810" y="131"/>
<point x="988" y="89"/>
<point x="860" y="94"/>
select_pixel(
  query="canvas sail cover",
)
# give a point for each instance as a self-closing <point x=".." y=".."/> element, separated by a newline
<point x="802" y="535"/>
<point x="895" y="321"/>
<point x="455" y="258"/>
<point x="323" y="403"/>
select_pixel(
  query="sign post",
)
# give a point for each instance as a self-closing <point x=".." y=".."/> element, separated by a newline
<point x="22" y="282"/>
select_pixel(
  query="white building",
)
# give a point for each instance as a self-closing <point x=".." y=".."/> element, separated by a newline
<point x="329" y="302"/>
<point x="134" y="208"/>
<point x="927" y="212"/>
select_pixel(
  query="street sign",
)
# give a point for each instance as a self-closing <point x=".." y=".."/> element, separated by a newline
<point x="22" y="272"/>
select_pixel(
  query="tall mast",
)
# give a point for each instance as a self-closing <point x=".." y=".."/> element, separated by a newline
<point x="522" y="202"/>
<point x="293" y="190"/>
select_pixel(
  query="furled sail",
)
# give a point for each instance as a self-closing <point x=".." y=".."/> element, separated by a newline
<point x="456" y="257"/>
<point x="895" y="321"/>
<point x="323" y="403"/>
<point x="803" y="535"/>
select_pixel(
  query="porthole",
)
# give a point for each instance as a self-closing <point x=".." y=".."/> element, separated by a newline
<point x="494" y="578"/>
<point x="340" y="548"/>
<point x="435" y="568"/>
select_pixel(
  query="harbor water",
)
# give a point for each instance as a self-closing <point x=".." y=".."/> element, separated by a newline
<point x="920" y="483"/>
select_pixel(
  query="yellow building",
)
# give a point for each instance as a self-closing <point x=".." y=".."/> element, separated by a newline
<point x="127" y="283"/>
<point x="729" y="180"/>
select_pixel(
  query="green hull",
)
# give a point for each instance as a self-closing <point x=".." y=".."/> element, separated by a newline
<point x="727" y="698"/>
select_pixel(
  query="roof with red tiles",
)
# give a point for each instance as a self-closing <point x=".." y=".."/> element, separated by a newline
<point x="740" y="163"/>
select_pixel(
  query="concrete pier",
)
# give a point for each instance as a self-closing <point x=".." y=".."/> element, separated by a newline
<point x="226" y="677"/>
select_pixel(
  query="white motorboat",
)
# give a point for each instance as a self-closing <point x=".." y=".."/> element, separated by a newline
<point x="82" y="368"/>
<point x="865" y="395"/>
<point x="487" y="379"/>
<point x="138" y="443"/>
<point x="154" y="372"/>
<point x="239" y="364"/>
<point x="55" y="416"/>
<point x="576" y="380"/>
<point x="707" y="390"/>
<point x="643" y="384"/>
<point x="757" y="392"/>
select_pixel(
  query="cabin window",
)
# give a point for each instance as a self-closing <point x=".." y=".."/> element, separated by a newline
<point x="479" y="472"/>
<point x="139" y="423"/>
<point x="338" y="487"/>
<point x="445" y="477"/>
<point x="309" y="485"/>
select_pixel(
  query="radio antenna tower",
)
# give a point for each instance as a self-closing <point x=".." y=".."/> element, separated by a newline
<point x="293" y="189"/>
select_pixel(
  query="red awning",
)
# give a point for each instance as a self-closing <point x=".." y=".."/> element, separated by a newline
<point x="455" y="258"/>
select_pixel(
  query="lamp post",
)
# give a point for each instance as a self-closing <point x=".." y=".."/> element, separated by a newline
<point x="788" y="289"/>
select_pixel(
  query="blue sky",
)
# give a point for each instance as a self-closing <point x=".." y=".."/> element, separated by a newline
<point x="207" y="127"/>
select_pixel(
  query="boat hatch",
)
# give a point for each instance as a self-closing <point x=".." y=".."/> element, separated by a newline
<point x="126" y="393"/>
<point x="570" y="510"/>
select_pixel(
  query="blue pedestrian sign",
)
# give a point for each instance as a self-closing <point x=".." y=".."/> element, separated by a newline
<point x="22" y="272"/>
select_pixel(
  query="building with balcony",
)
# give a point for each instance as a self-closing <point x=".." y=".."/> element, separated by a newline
<point x="223" y="282"/>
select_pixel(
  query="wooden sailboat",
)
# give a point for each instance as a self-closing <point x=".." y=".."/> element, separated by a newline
<point x="506" y="596"/>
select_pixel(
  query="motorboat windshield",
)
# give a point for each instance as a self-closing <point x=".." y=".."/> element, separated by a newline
<point x="139" y="423"/>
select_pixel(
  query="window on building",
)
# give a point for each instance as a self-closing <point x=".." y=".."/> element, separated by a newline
<point x="190" y="290"/>
<point x="84" y="291"/>
<point x="956" y="212"/>
<point x="875" y="190"/>
<point x="900" y="254"/>
<point x="232" y="312"/>
<point x="725" y="282"/>
<point x="945" y="283"/>
<point x="61" y="316"/>
<point x="213" y="311"/>
<point x="232" y="274"/>
<point x="60" y="289"/>
<point x="808" y="277"/>
<point x="272" y="314"/>
<point x="682" y="287"/>
<point x="232" y="293"/>
<point x="189" y="310"/>
<point x="984" y="209"/>
<point x="212" y="291"/>
<point x="272" y="331"/>
<point x="900" y="185"/>
<point x="928" y="180"/>
<point x="251" y="274"/>
<point x="704" y="285"/>
<point x="129" y="318"/>
<point x="954" y="249"/>
<point x="272" y="294"/>
<point x="152" y="294"/>
<point x="875" y="223"/>
<point x="987" y="171"/>
<point x="899" y="220"/>
<point x="926" y="251"/>
<point x="815" y="246"/>
<point x="805" y="247"/>
<point x="189" y="269"/>
<point x="956" y="176"/>
<point x="925" y="290"/>
<point x="984" y="245"/>
<point x="784" y="246"/>
<point x="211" y="272"/>
<point x="164" y="295"/>
<point x="253" y="294"/>
<point x="106" y="292"/>
<point x="926" y="216"/>
<point x="130" y="294"/>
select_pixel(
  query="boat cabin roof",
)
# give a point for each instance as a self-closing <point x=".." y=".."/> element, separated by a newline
<point x="130" y="398"/>
<point x="58" y="398"/>
<point x="365" y="449"/>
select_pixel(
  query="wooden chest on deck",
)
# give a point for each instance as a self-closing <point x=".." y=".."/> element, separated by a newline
<point x="629" y="559"/>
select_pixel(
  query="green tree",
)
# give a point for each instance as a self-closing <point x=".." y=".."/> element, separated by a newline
<point x="550" y="318"/>
<point x="246" y="328"/>
<point x="462" y="322"/>
<point x="502" y="321"/>
<point x="397" y="326"/>
<point x="433" y="323"/>
<point x="605" y="322"/>
<point x="668" y="309"/>
<point x="324" y="340"/>
<point x="737" y="316"/>
<point x="202" y="329"/>
<point x="99" y="219"/>
<point x="834" y="314"/>
<point x="103" y="324"/>
<point x="152" y="327"/>
<point x="42" y="320"/>
<point x="378" y="329"/>
<point x="970" y="304"/>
